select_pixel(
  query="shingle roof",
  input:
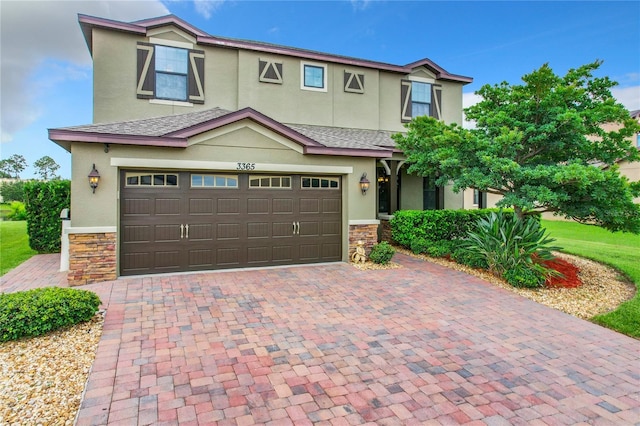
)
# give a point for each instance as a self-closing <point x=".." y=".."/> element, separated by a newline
<point x="174" y="130"/>
<point x="155" y="126"/>
<point x="338" y="137"/>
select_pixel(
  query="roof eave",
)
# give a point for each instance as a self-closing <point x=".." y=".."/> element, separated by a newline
<point x="65" y="137"/>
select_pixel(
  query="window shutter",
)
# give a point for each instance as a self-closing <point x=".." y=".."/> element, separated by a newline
<point x="270" y="72"/>
<point x="353" y="83"/>
<point x="436" y="101"/>
<point x="405" y="101"/>
<point x="196" y="76"/>
<point x="146" y="84"/>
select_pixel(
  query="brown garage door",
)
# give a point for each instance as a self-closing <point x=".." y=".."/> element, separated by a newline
<point x="173" y="222"/>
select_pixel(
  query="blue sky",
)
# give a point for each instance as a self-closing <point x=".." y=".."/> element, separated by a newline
<point x="46" y="70"/>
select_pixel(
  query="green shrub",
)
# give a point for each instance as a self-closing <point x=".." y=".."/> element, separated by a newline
<point x="44" y="202"/>
<point x="12" y="191"/>
<point x="511" y="244"/>
<point x="524" y="276"/>
<point x="434" y="225"/>
<point x="441" y="248"/>
<point x="420" y="245"/>
<point x="469" y="258"/>
<point x="39" y="311"/>
<point x="17" y="212"/>
<point x="382" y="253"/>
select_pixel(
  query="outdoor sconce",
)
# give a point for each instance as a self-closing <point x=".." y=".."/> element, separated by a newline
<point x="94" y="178"/>
<point x="364" y="184"/>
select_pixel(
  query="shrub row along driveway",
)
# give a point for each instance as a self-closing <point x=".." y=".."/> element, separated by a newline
<point x="330" y="344"/>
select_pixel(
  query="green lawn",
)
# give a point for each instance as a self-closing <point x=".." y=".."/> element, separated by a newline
<point x="620" y="250"/>
<point x="14" y="245"/>
<point x="4" y="210"/>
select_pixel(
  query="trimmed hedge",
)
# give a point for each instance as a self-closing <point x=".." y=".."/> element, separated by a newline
<point x="44" y="201"/>
<point x="39" y="311"/>
<point x="434" y="225"/>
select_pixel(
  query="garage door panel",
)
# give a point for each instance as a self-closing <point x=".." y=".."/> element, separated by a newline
<point x="309" y="205"/>
<point x="168" y="206"/>
<point x="136" y="233"/>
<point x="282" y="206"/>
<point x="136" y="207"/>
<point x="282" y="230"/>
<point x="331" y="251"/>
<point x="201" y="206"/>
<point x="227" y="231"/>
<point x="259" y="255"/>
<point x="309" y="252"/>
<point x="136" y="262"/>
<point x="200" y="232"/>
<point x="309" y="229"/>
<point x="167" y="260"/>
<point x="166" y="233"/>
<point x="226" y="257"/>
<point x="201" y="258"/>
<point x="258" y="230"/>
<point x="331" y="228"/>
<point x="258" y="206"/>
<point x="228" y="206"/>
<point x="282" y="253"/>
<point x="331" y="205"/>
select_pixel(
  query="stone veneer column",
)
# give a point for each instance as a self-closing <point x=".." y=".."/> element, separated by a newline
<point x="365" y="233"/>
<point x="92" y="258"/>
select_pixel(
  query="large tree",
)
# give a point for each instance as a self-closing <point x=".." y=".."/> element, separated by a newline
<point x="13" y="165"/>
<point x="548" y="145"/>
<point x="46" y="167"/>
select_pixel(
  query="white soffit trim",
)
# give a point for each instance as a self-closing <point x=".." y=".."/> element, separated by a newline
<point x="91" y="230"/>
<point x="155" y="163"/>
<point x="364" y="222"/>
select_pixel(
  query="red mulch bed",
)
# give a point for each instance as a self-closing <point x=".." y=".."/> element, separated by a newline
<point x="570" y="272"/>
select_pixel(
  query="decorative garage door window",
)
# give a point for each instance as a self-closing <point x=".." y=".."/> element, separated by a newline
<point x="320" y="183"/>
<point x="214" y="181"/>
<point x="275" y="182"/>
<point x="148" y="179"/>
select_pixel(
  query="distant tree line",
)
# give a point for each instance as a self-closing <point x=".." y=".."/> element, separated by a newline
<point x="11" y="167"/>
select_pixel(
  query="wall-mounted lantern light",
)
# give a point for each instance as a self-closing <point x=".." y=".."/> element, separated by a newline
<point x="94" y="178"/>
<point x="364" y="184"/>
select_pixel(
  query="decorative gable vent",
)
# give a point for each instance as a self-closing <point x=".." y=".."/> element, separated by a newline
<point x="270" y="71"/>
<point x="353" y="83"/>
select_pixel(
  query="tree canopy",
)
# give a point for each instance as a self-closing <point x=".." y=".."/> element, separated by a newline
<point x="13" y="166"/>
<point x="46" y="167"/>
<point x="551" y="144"/>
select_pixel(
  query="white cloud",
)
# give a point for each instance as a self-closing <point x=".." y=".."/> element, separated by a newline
<point x="207" y="7"/>
<point x="32" y="32"/>
<point x="360" y="4"/>
<point x="627" y="96"/>
<point x="469" y="99"/>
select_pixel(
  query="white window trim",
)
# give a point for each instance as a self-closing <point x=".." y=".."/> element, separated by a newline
<point x="324" y="75"/>
<point x="170" y="43"/>
<point x="172" y="103"/>
<point x="422" y="79"/>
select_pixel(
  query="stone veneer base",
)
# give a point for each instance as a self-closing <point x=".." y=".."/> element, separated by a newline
<point x="92" y="258"/>
<point x="368" y="234"/>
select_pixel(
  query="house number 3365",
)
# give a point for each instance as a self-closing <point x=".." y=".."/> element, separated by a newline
<point x="246" y="166"/>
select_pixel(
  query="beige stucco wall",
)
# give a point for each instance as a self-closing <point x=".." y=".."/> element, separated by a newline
<point x="232" y="82"/>
<point x="411" y="193"/>
<point x="242" y="142"/>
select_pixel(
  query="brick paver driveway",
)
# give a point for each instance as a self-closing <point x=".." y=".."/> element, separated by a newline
<point x="330" y="344"/>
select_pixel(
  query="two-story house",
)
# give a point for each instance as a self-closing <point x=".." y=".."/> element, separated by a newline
<point x="209" y="153"/>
